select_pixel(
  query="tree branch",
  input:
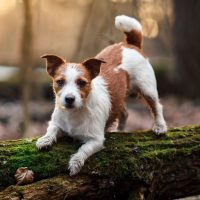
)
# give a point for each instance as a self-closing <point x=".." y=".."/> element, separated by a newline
<point x="163" y="167"/>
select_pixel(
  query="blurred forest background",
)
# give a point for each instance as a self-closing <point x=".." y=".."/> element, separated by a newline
<point x="78" y="29"/>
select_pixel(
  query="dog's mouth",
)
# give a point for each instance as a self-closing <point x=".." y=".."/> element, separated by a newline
<point x="66" y="107"/>
<point x="69" y="106"/>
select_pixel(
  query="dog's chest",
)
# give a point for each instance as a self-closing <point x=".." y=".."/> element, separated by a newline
<point x="74" y="123"/>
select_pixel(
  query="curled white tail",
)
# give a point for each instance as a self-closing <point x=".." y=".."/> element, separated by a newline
<point x="131" y="27"/>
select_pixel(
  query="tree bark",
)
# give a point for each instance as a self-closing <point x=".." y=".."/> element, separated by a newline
<point x="65" y="187"/>
<point x="26" y="62"/>
<point x="136" y="165"/>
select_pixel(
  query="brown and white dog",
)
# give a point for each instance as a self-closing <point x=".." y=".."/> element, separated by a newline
<point x="90" y="96"/>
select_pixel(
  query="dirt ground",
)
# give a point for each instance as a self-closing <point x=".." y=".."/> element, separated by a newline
<point x="176" y="112"/>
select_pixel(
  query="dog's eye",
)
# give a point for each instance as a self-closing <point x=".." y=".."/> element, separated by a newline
<point x="60" y="82"/>
<point x="81" y="83"/>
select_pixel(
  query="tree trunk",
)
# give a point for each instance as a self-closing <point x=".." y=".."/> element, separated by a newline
<point x="134" y="165"/>
<point x="186" y="46"/>
<point x="26" y="62"/>
<point x="65" y="187"/>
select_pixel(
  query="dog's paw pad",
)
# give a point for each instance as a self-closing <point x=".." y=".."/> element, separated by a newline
<point x="75" y="164"/>
<point x="159" y="129"/>
<point x="44" y="142"/>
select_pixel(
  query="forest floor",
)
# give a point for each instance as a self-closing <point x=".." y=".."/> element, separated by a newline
<point x="176" y="112"/>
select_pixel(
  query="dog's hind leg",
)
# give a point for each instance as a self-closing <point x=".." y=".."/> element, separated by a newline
<point x="152" y="100"/>
<point x="142" y="79"/>
<point x="122" y="119"/>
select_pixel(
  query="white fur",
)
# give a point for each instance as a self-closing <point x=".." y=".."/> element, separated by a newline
<point x="49" y="138"/>
<point x="126" y="24"/>
<point x="71" y="73"/>
<point x="139" y="69"/>
<point x="86" y="123"/>
<point x="142" y="78"/>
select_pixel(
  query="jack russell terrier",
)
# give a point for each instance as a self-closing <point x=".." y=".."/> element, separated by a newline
<point x="90" y="96"/>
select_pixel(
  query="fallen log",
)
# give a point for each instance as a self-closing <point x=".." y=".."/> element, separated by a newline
<point x="136" y="165"/>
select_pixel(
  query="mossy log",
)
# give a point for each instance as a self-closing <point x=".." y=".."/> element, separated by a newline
<point x="137" y="165"/>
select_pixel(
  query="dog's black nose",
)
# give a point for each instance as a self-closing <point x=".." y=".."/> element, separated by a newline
<point x="69" y="99"/>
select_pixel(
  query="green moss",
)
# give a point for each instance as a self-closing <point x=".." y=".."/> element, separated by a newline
<point x="125" y="154"/>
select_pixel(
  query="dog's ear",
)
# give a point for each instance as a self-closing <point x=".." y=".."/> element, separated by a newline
<point x="52" y="63"/>
<point x="93" y="65"/>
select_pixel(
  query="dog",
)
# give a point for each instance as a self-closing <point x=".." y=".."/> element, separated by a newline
<point x="90" y="96"/>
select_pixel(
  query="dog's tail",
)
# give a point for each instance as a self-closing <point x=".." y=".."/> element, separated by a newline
<point x="131" y="27"/>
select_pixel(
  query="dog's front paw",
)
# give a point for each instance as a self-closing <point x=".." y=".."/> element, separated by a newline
<point x="75" y="164"/>
<point x="159" y="128"/>
<point x="44" y="142"/>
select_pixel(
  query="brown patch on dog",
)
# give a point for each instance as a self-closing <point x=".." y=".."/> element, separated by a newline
<point x="93" y="66"/>
<point x="117" y="79"/>
<point x="87" y="78"/>
<point x="84" y="82"/>
<point x="52" y="63"/>
<point x="58" y="75"/>
<point x="134" y="37"/>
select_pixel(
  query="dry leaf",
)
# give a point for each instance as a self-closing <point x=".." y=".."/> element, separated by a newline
<point x="24" y="176"/>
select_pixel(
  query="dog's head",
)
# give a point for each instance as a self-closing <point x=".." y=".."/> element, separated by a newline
<point x="71" y="81"/>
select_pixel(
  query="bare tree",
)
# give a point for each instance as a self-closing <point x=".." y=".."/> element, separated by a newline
<point x="26" y="61"/>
